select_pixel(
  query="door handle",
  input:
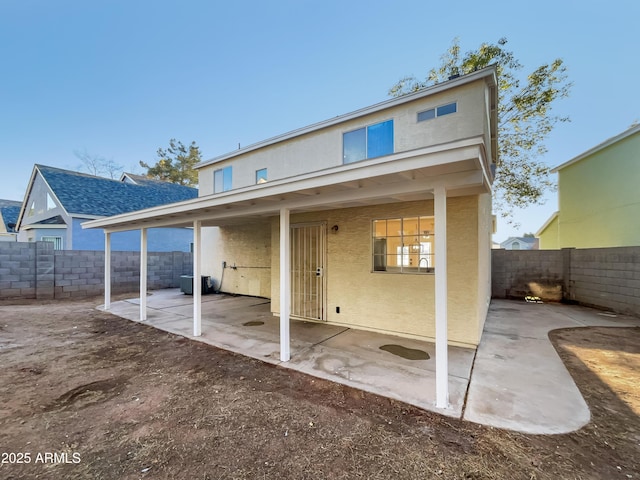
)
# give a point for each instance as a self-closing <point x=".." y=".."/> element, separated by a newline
<point x="319" y="272"/>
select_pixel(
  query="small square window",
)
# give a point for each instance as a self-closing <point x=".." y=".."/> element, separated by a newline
<point x="261" y="176"/>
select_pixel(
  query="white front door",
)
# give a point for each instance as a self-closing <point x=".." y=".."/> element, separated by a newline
<point x="308" y="284"/>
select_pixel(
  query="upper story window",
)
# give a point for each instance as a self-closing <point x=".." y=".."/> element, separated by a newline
<point x="222" y="180"/>
<point x="438" y="111"/>
<point x="404" y="245"/>
<point x="368" y="142"/>
<point x="261" y="176"/>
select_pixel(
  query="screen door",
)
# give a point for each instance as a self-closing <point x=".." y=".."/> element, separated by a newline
<point x="308" y="285"/>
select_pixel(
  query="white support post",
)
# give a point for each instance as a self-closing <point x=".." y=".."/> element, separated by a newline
<point x="442" y="359"/>
<point x="285" y="285"/>
<point x="107" y="270"/>
<point x="197" y="279"/>
<point x="143" y="274"/>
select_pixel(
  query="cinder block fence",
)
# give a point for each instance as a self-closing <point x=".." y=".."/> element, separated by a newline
<point x="36" y="270"/>
<point x="606" y="278"/>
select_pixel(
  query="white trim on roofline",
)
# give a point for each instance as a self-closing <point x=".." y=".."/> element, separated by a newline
<point x="597" y="148"/>
<point x="442" y="154"/>
<point x="30" y="189"/>
<point x="486" y="72"/>
<point x="546" y="224"/>
<point x="39" y="226"/>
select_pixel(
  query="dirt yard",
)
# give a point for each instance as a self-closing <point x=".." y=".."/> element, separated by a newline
<point x="85" y="395"/>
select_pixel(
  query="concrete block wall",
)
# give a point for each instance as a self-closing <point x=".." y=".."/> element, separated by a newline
<point x="17" y="270"/>
<point x="518" y="273"/>
<point x="606" y="278"/>
<point x="35" y="270"/>
<point x="78" y="273"/>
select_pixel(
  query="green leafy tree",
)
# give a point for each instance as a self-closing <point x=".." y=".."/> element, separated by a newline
<point x="524" y="117"/>
<point x="176" y="164"/>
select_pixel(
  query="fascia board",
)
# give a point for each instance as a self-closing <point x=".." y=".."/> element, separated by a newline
<point x="26" y="197"/>
<point x="446" y="153"/>
<point x="371" y="192"/>
<point x="41" y="226"/>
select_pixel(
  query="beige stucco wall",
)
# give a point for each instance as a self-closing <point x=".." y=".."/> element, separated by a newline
<point x="485" y="232"/>
<point x="323" y="148"/>
<point x="398" y="303"/>
<point x="246" y="249"/>
<point x="402" y="304"/>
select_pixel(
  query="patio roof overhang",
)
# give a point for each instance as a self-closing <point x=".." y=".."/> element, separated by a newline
<point x="461" y="167"/>
<point x="435" y="172"/>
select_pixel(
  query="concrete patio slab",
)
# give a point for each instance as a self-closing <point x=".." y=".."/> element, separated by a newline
<point x="245" y="325"/>
<point x="516" y="380"/>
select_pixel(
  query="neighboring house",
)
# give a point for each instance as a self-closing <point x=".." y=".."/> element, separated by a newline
<point x="598" y="197"/>
<point x="58" y="201"/>
<point x="379" y="219"/>
<point x="520" y="243"/>
<point x="9" y="211"/>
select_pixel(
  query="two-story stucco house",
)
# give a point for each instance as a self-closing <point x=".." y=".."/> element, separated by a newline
<point x="379" y="219"/>
<point x="598" y="197"/>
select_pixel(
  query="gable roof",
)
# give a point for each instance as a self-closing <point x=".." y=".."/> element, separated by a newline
<point x="610" y="141"/>
<point x="9" y="212"/>
<point x="83" y="194"/>
<point x="510" y="240"/>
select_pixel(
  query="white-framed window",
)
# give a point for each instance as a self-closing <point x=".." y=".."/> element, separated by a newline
<point x="403" y="245"/>
<point x="368" y="142"/>
<point x="222" y="179"/>
<point x="57" y="242"/>
<point x="440" y="111"/>
<point x="261" y="176"/>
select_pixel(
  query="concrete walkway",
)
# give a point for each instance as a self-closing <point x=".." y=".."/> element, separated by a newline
<point x="518" y="380"/>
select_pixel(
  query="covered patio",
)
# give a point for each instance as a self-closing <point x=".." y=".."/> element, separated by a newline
<point x="395" y="367"/>
<point x="436" y="174"/>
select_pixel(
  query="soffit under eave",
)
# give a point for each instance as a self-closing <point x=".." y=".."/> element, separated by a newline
<point x="429" y="165"/>
<point x="459" y="183"/>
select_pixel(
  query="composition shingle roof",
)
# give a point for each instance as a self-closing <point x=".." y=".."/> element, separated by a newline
<point x="84" y="194"/>
<point x="10" y="216"/>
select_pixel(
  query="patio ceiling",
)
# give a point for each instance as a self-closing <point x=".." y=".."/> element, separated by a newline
<point x="461" y="167"/>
